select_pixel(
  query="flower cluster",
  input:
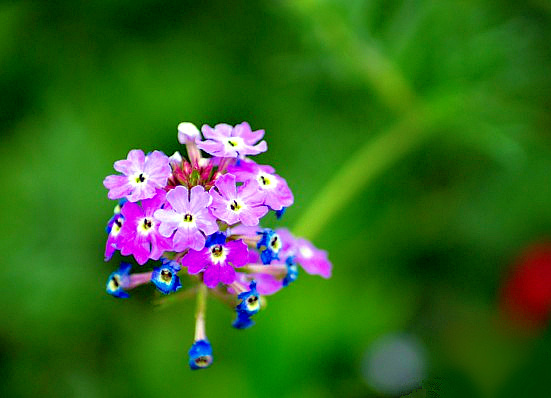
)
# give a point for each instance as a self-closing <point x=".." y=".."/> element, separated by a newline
<point x="198" y="219"/>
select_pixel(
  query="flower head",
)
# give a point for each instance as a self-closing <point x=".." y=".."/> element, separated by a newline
<point x="142" y="176"/>
<point x="226" y="141"/>
<point x="165" y="277"/>
<point x="200" y="355"/>
<point x="232" y="204"/>
<point x="188" y="217"/>
<point x="119" y="280"/>
<point x="204" y="213"/>
<point x="275" y="191"/>
<point x="217" y="260"/>
<point x="139" y="234"/>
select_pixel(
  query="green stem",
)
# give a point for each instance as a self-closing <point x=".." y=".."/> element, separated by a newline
<point x="200" y="312"/>
<point x="369" y="162"/>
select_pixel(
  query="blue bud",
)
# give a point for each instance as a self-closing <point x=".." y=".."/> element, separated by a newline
<point x="243" y="321"/>
<point x="249" y="305"/>
<point x="165" y="277"/>
<point x="280" y="213"/>
<point x="200" y="355"/>
<point x="292" y="271"/>
<point x="118" y="280"/>
<point x="269" y="246"/>
<point x="217" y="238"/>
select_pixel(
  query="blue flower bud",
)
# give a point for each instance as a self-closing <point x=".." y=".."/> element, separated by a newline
<point x="118" y="280"/>
<point x="280" y="213"/>
<point x="200" y="355"/>
<point x="165" y="277"/>
<point x="269" y="246"/>
<point x="217" y="238"/>
<point x="292" y="271"/>
<point x="249" y="305"/>
<point x="243" y="321"/>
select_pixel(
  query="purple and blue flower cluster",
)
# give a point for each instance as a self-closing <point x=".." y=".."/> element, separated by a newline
<point x="198" y="220"/>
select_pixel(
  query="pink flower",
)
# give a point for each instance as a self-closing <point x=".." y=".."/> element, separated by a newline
<point x="311" y="259"/>
<point x="218" y="260"/>
<point x="189" y="217"/>
<point x="139" y="234"/>
<point x="231" y="142"/>
<point x="275" y="191"/>
<point x="232" y="204"/>
<point x="143" y="175"/>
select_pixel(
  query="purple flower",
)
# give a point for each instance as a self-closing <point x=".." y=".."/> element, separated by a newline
<point x="188" y="216"/>
<point x="276" y="192"/>
<point x="140" y="235"/>
<point x="217" y="260"/>
<point x="232" y="204"/>
<point x="143" y="175"/>
<point x="313" y="260"/>
<point x="227" y="141"/>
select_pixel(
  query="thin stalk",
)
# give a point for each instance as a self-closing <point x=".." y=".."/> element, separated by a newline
<point x="370" y="161"/>
<point x="200" y="312"/>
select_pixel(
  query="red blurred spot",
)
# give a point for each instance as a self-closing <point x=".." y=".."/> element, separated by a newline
<point x="526" y="293"/>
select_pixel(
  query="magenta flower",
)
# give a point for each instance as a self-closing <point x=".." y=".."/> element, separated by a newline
<point x="274" y="189"/>
<point x="189" y="217"/>
<point x="313" y="260"/>
<point x="143" y="175"/>
<point x="217" y="259"/>
<point x="232" y="204"/>
<point x="139" y="234"/>
<point x="231" y="142"/>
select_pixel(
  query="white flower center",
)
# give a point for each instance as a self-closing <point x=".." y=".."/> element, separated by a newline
<point x="252" y="303"/>
<point x="166" y="276"/>
<point x="218" y="254"/>
<point x="266" y="181"/>
<point x="116" y="227"/>
<point x="187" y="221"/>
<point x="275" y="243"/>
<point x="145" y="226"/>
<point x="114" y="283"/>
<point x="234" y="143"/>
<point x="235" y="206"/>
<point x="138" y="179"/>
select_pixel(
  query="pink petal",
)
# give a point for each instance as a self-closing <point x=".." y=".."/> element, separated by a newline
<point x="211" y="277"/>
<point x="227" y="274"/>
<point x="178" y="199"/>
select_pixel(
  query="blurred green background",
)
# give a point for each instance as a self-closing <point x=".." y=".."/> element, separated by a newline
<point x="414" y="134"/>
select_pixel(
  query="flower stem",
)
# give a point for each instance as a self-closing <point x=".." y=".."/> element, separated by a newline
<point x="370" y="161"/>
<point x="276" y="269"/>
<point x="139" y="279"/>
<point x="200" y="312"/>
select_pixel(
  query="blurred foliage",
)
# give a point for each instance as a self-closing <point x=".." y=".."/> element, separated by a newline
<point x="451" y="101"/>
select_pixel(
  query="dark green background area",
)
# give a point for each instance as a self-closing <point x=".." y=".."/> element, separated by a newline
<point x="462" y="89"/>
